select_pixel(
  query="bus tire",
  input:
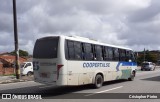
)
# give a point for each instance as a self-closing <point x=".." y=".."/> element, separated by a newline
<point x="98" y="81"/>
<point x="132" y="76"/>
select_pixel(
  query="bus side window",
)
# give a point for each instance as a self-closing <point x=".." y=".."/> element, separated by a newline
<point x="70" y="49"/>
<point x="78" y="50"/>
<point x="66" y="49"/>
<point x="83" y="51"/>
<point x="116" y="54"/>
<point x="98" y="50"/>
<point x="94" y="52"/>
<point x="122" y="54"/>
<point x="128" y="56"/>
<point x="133" y="56"/>
<point x="88" y="52"/>
<point x="110" y="54"/>
<point x="104" y="53"/>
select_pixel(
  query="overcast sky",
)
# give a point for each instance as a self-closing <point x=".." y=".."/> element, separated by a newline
<point x="131" y="23"/>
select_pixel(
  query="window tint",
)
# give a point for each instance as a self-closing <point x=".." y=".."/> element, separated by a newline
<point x="98" y="52"/>
<point x="105" y="53"/>
<point x="116" y="54"/>
<point x="74" y="50"/>
<point x="122" y="55"/>
<point x="78" y="50"/>
<point x="133" y="56"/>
<point x="70" y="49"/>
<point x="127" y="55"/>
<point x="130" y="55"/>
<point x="66" y="49"/>
<point x="84" y="51"/>
<point x="110" y="53"/>
<point x="46" y="48"/>
<point x="88" y="55"/>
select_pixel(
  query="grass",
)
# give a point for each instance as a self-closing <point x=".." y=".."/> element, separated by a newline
<point x="9" y="75"/>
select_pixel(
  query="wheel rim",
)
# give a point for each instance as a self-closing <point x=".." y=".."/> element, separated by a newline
<point x="99" y="81"/>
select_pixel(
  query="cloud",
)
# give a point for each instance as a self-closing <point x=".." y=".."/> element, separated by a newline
<point x="146" y="14"/>
<point x="143" y="26"/>
<point x="131" y="23"/>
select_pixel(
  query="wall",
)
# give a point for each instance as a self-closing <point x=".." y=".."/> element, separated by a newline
<point x="1" y="68"/>
<point x="6" y="71"/>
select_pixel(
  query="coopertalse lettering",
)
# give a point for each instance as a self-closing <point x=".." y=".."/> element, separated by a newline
<point x="95" y="65"/>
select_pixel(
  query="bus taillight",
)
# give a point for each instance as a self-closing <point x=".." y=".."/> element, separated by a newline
<point x="59" y="66"/>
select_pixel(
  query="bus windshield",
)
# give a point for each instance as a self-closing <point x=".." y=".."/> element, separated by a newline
<point x="46" y="48"/>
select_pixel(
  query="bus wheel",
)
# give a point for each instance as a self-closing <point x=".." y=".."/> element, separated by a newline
<point x="132" y="76"/>
<point x="98" y="81"/>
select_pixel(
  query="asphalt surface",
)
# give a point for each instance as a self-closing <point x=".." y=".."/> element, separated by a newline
<point x="145" y="83"/>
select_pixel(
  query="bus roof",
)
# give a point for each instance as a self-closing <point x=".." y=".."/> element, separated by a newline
<point x="87" y="40"/>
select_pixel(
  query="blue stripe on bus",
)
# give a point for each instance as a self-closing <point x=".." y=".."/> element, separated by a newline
<point x="125" y="64"/>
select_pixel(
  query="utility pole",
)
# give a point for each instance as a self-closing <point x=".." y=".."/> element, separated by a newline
<point x="16" y="40"/>
<point x="144" y="55"/>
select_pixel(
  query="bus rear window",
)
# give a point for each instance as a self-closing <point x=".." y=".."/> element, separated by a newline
<point x="46" y="48"/>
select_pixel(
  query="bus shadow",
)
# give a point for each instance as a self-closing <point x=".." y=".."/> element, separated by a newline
<point x="61" y="92"/>
<point x="113" y="82"/>
<point x="71" y="91"/>
<point x="157" y="78"/>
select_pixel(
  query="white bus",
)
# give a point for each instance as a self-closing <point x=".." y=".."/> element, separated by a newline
<point x="64" y="60"/>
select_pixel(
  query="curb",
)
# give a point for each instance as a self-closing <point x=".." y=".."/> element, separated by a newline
<point x="14" y="81"/>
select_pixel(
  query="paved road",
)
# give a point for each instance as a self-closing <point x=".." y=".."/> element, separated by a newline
<point x="145" y="82"/>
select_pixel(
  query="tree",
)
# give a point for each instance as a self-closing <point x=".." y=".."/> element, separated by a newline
<point x="22" y="53"/>
<point x="150" y="57"/>
<point x="140" y="59"/>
